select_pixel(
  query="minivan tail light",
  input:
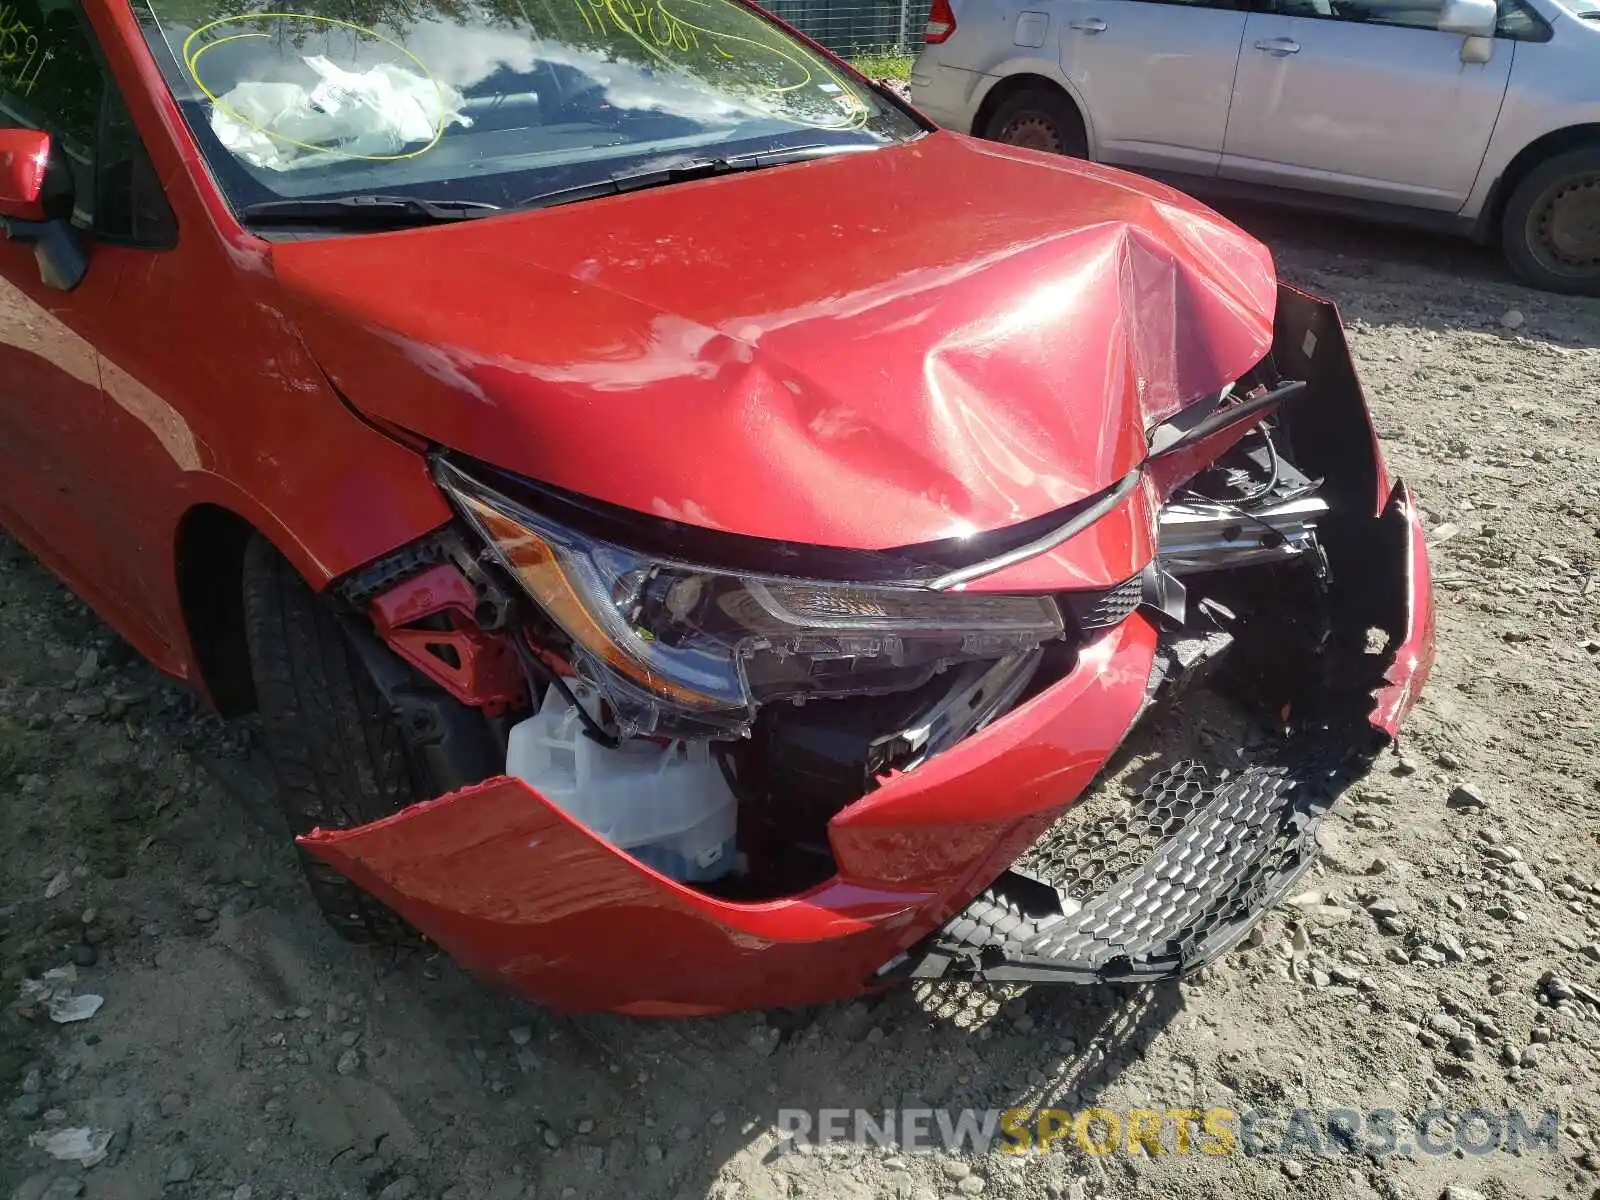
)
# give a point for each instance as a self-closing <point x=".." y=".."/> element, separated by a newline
<point x="941" y="23"/>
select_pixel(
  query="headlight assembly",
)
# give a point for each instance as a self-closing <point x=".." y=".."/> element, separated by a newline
<point x="674" y="644"/>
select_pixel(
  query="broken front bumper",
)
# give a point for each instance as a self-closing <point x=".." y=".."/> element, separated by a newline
<point x="514" y="889"/>
<point x="1160" y="887"/>
<point x="517" y="891"/>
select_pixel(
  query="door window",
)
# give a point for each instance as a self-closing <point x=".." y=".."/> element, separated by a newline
<point x="1521" y="24"/>
<point x="1516" y="20"/>
<point x="53" y="77"/>
<point x="1409" y="14"/>
<point x="130" y="207"/>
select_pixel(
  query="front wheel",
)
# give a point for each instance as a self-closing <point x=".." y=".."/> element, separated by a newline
<point x="1039" y="118"/>
<point x="340" y="755"/>
<point x="1550" y="233"/>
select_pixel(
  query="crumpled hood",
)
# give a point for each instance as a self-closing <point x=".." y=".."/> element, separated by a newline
<point x="866" y="351"/>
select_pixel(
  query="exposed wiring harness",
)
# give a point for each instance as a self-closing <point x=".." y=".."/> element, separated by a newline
<point x="1261" y="492"/>
<point x="538" y="670"/>
<point x="1236" y="505"/>
<point x="723" y="753"/>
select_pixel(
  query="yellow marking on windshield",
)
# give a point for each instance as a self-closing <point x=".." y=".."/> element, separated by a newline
<point x="191" y="59"/>
<point x="19" y="44"/>
<point x="683" y="35"/>
<point x="654" y="26"/>
<point x="847" y="93"/>
<point x="643" y="17"/>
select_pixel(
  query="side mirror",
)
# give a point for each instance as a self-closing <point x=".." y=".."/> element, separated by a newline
<point x="1469" y="18"/>
<point x="30" y="207"/>
<point x="24" y="158"/>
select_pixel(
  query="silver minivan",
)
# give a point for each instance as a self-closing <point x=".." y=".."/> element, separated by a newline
<point x="1466" y="115"/>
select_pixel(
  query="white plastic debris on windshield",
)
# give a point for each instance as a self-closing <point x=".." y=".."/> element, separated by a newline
<point x="371" y="114"/>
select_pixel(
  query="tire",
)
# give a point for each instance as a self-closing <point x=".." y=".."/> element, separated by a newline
<point x="1550" y="231"/>
<point x="1039" y="118"/>
<point x="339" y="756"/>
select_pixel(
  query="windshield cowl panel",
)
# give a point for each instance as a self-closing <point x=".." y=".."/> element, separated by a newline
<point x="493" y="101"/>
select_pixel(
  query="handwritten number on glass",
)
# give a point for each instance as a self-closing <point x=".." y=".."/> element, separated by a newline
<point x="21" y="59"/>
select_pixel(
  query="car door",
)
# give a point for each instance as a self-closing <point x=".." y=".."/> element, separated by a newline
<point x="1363" y="98"/>
<point x="48" y="365"/>
<point x="1155" y="76"/>
<point x="67" y="466"/>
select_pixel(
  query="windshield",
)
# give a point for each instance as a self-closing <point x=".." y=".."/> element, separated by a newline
<point x="492" y="101"/>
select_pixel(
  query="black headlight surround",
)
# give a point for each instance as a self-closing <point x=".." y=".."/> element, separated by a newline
<point x="921" y="564"/>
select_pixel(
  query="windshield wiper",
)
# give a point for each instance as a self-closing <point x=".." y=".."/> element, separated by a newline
<point x="366" y="211"/>
<point x="683" y="171"/>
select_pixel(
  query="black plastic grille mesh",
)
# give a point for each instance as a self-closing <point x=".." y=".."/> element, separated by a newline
<point x="1113" y="607"/>
<point x="1154" y="885"/>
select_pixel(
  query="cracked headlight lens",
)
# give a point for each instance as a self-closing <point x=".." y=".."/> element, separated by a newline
<point x="673" y="644"/>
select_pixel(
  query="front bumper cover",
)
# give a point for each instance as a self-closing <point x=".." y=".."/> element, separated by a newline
<point x="514" y="889"/>
<point x="1162" y="887"/>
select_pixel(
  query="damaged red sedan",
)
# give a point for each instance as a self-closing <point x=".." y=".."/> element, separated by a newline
<point x="692" y="531"/>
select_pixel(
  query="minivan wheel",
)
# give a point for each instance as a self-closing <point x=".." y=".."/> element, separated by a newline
<point x="338" y="754"/>
<point x="1550" y="233"/>
<point x="1039" y="118"/>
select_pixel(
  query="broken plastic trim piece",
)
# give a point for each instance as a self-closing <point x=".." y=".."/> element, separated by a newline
<point x="978" y="696"/>
<point x="1220" y="853"/>
<point x="1174" y="435"/>
<point x="1410" y="615"/>
<point x="1208" y="858"/>
<point x="1074" y="525"/>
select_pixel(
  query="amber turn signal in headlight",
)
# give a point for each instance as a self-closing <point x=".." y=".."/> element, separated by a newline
<point x="674" y="642"/>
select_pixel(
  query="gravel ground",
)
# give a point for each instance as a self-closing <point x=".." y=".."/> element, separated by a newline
<point x="1445" y="954"/>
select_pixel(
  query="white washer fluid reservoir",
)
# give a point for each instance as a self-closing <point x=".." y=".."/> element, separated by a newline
<point x="669" y="806"/>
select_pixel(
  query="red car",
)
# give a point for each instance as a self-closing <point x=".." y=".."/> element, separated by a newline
<point x="692" y="531"/>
